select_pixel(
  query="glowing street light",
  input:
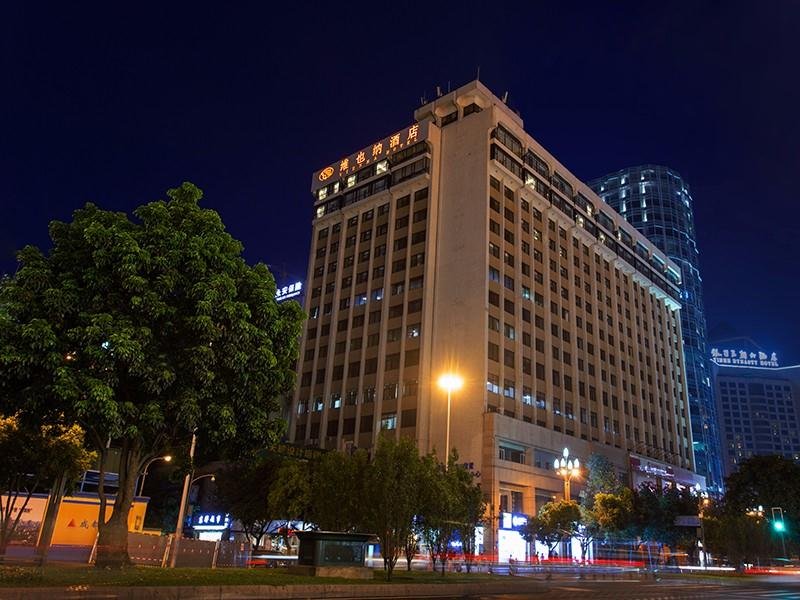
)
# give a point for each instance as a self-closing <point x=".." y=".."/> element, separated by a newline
<point x="452" y="383"/>
<point x="166" y="458"/>
<point x="567" y="468"/>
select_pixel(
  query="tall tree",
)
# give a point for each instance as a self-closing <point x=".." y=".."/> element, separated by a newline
<point x="337" y="481"/>
<point x="243" y="487"/>
<point x="555" y="522"/>
<point x="391" y="485"/>
<point x="33" y="457"/>
<point x="601" y="477"/>
<point x="143" y="331"/>
<point x="767" y="481"/>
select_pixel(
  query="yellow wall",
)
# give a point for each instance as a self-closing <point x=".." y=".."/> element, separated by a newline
<point x="77" y="519"/>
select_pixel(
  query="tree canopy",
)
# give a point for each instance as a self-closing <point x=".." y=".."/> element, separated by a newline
<point x="34" y="456"/>
<point x="142" y="331"/>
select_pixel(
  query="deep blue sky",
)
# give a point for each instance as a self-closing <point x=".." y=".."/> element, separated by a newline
<point x="116" y="102"/>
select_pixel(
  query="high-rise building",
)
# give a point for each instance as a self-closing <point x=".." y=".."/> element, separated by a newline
<point x="758" y="402"/>
<point x="657" y="202"/>
<point x="460" y="245"/>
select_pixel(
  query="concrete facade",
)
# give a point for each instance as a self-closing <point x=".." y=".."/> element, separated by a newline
<point x="468" y="248"/>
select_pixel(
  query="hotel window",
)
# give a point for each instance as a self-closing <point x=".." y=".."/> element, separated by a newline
<point x="494" y="275"/>
<point x="494" y="250"/>
<point x="382" y="167"/>
<point x="493" y="383"/>
<point x="389" y="421"/>
<point x="413" y="331"/>
<point x="510" y="332"/>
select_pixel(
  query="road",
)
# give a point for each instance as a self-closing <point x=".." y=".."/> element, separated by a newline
<point x="777" y="589"/>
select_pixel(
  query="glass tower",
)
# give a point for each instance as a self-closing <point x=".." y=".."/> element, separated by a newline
<point x="657" y="202"/>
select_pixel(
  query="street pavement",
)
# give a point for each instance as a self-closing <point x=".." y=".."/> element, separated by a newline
<point x="664" y="590"/>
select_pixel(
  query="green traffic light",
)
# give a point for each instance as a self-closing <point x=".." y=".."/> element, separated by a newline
<point x="779" y="526"/>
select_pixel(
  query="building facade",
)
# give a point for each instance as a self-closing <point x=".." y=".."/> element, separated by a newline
<point x="657" y="202"/>
<point x="758" y="402"/>
<point x="460" y="245"/>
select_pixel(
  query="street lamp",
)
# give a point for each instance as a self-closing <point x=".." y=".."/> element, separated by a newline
<point x="567" y="468"/>
<point x="166" y="458"/>
<point x="187" y="481"/>
<point x="450" y="382"/>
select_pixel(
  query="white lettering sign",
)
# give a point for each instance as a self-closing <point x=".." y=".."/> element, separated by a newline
<point x="742" y="358"/>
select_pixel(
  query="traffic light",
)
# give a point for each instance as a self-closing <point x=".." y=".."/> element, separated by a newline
<point x="778" y="526"/>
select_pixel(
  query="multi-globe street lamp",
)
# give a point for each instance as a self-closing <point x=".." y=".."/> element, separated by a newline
<point x="452" y="383"/>
<point x="567" y="468"/>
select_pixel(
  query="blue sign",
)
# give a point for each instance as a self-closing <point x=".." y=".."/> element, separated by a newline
<point x="210" y="521"/>
<point x="514" y="521"/>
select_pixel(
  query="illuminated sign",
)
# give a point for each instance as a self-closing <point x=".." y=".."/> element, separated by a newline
<point x="652" y="468"/>
<point x="210" y="521"/>
<point x="513" y="521"/>
<point x="289" y="291"/>
<point x="380" y="150"/>
<point x="743" y="358"/>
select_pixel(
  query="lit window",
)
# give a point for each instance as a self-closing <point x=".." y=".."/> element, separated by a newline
<point x="323" y="193"/>
<point x="389" y="421"/>
<point x="351" y="180"/>
<point x="320" y="211"/>
<point x="382" y="167"/>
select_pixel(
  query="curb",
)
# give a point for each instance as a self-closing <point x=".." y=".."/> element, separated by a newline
<point x="268" y="592"/>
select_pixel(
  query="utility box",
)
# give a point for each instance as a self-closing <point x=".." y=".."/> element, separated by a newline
<point x="332" y="554"/>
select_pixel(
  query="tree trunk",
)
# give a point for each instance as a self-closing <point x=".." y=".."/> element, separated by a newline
<point x="50" y="516"/>
<point x="112" y="546"/>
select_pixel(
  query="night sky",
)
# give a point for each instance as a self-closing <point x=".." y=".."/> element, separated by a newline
<point x="114" y="103"/>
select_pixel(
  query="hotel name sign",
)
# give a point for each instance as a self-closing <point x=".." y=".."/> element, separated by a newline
<point x="408" y="136"/>
<point x="743" y="358"/>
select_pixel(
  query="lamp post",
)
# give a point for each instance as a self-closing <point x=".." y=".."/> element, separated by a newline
<point x="567" y="468"/>
<point x="166" y="458"/>
<point x="450" y="382"/>
<point x="182" y="508"/>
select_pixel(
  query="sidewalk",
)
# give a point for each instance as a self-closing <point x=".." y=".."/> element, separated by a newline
<point x="267" y="592"/>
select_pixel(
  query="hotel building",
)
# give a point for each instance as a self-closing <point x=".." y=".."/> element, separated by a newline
<point x="657" y="201"/>
<point x="460" y="245"/>
<point x="758" y="402"/>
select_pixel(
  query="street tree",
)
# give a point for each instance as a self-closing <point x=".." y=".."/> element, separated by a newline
<point x="391" y="484"/>
<point x="243" y="487"/>
<point x="655" y="510"/>
<point x="766" y="481"/>
<point x="555" y="522"/>
<point x="144" y="330"/>
<point x="34" y="456"/>
<point x="337" y="480"/>
<point x="601" y="477"/>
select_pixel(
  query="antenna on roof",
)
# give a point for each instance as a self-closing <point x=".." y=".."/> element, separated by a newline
<point x="438" y="92"/>
<point x="505" y="97"/>
<point x="422" y="100"/>
<point x="478" y="77"/>
<point x="448" y="87"/>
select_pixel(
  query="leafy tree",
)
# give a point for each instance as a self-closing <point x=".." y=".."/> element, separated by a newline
<point x="767" y="481"/>
<point x="243" y="487"/>
<point x="34" y="456"/>
<point x="655" y="511"/>
<point x="291" y="494"/>
<point x="450" y="502"/>
<point x="391" y="485"/>
<point x="601" y="477"/>
<point x="613" y="512"/>
<point x="337" y="482"/>
<point x="737" y="536"/>
<point x="555" y="522"/>
<point x="142" y="331"/>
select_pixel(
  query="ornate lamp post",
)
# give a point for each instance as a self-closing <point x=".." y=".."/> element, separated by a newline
<point x="567" y="468"/>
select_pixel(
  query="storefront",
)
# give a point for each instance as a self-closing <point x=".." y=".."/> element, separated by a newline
<point x="510" y="543"/>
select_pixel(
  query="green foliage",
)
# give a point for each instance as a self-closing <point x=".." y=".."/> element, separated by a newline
<point x="144" y="330"/>
<point x="767" y="481"/>
<point x="555" y="522"/>
<point x="35" y="455"/>
<point x="655" y="511"/>
<point x="243" y="487"/>
<point x="449" y="501"/>
<point x="601" y="478"/>
<point x="392" y="488"/>
<point x="613" y="513"/>
<point x="339" y="479"/>
<point x="291" y="493"/>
